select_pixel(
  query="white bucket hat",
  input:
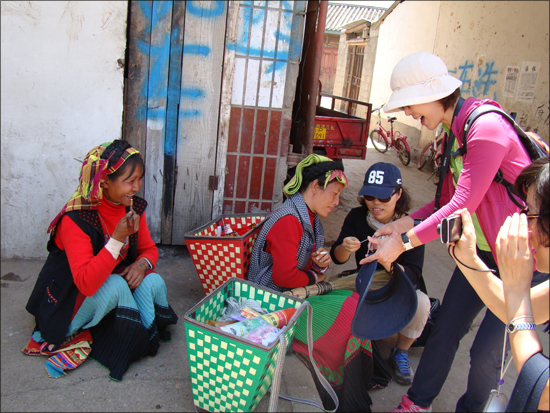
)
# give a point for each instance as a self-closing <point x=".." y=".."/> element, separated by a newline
<point x="418" y="78"/>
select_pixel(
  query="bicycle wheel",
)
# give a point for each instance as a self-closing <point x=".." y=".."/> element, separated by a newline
<point x="403" y="153"/>
<point x="426" y="155"/>
<point x="379" y="141"/>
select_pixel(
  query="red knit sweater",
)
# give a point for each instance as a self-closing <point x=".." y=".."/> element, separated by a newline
<point x="282" y="243"/>
<point x="89" y="271"/>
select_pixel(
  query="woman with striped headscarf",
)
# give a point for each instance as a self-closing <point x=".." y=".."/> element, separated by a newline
<point x="289" y="253"/>
<point x="98" y="293"/>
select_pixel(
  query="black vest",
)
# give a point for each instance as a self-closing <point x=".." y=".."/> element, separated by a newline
<point x="53" y="298"/>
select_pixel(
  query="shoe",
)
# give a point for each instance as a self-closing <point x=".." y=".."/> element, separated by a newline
<point x="407" y="405"/>
<point x="402" y="366"/>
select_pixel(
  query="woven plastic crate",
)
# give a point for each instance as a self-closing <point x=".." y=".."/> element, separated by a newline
<point x="216" y="258"/>
<point x="229" y="373"/>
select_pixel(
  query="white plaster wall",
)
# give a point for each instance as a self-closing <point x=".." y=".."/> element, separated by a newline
<point x="479" y="40"/>
<point x="62" y="94"/>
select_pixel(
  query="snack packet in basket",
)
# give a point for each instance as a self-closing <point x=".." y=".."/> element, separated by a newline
<point x="264" y="335"/>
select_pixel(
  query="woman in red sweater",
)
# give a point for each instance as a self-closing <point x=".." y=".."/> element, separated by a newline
<point x="97" y="293"/>
<point x="289" y="253"/>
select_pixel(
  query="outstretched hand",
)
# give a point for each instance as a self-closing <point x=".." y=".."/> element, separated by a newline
<point x="351" y="244"/>
<point x="400" y="225"/>
<point x="387" y="249"/>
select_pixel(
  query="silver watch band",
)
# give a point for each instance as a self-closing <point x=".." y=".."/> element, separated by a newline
<point x="513" y="327"/>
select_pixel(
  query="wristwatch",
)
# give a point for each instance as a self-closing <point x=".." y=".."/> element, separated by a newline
<point x="512" y="327"/>
<point x="406" y="242"/>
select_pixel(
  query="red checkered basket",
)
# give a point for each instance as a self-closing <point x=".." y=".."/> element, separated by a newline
<point x="218" y="258"/>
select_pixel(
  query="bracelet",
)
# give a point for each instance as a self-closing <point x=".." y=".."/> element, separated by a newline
<point x="314" y="275"/>
<point x="522" y="316"/>
<point x="148" y="262"/>
<point x="319" y="269"/>
<point x="418" y="221"/>
<point x="512" y="328"/>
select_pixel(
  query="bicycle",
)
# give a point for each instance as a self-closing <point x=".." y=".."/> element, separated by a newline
<point x="432" y="154"/>
<point x="379" y="138"/>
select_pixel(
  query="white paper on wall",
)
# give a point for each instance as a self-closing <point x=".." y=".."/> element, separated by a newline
<point x="527" y="86"/>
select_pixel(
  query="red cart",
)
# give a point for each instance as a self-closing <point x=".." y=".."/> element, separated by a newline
<point x="341" y="135"/>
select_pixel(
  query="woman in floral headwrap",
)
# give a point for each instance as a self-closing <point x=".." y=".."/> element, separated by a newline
<point x="289" y="253"/>
<point x="97" y="293"/>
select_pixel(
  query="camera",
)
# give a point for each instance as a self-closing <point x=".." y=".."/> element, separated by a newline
<point x="450" y="228"/>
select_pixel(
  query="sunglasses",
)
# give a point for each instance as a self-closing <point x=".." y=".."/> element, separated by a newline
<point x="372" y="198"/>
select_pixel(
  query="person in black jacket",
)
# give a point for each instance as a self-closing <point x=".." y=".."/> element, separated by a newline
<point x="384" y="199"/>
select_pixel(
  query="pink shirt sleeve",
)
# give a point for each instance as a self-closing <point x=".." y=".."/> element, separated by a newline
<point x="485" y="153"/>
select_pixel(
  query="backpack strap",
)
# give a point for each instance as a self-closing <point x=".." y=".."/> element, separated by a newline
<point x="533" y="149"/>
<point x="447" y="146"/>
<point x="499" y="179"/>
<point x="530" y="384"/>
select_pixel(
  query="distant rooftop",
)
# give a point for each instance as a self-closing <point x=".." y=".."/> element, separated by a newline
<point x="340" y="14"/>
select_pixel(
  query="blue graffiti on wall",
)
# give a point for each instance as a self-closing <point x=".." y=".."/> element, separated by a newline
<point x="156" y="89"/>
<point x="252" y="20"/>
<point x="480" y="87"/>
<point x="484" y="83"/>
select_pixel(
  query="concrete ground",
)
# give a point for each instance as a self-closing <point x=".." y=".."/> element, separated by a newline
<point x="162" y="383"/>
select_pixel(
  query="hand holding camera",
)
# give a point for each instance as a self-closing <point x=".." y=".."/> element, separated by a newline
<point x="459" y="233"/>
<point x="450" y="228"/>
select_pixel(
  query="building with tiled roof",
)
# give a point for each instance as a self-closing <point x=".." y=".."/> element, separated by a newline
<point x="338" y="16"/>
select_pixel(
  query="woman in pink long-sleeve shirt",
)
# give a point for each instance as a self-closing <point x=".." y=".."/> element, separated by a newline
<point x="423" y="89"/>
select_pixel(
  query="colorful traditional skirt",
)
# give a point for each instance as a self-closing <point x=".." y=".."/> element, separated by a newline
<point x="351" y="365"/>
<point x="124" y="325"/>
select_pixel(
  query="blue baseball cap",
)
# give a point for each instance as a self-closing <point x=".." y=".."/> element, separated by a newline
<point x="381" y="180"/>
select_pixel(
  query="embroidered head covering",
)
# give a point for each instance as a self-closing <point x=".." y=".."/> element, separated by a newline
<point x="89" y="193"/>
<point x="325" y="167"/>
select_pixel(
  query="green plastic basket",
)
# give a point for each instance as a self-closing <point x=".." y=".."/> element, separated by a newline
<point x="229" y="373"/>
